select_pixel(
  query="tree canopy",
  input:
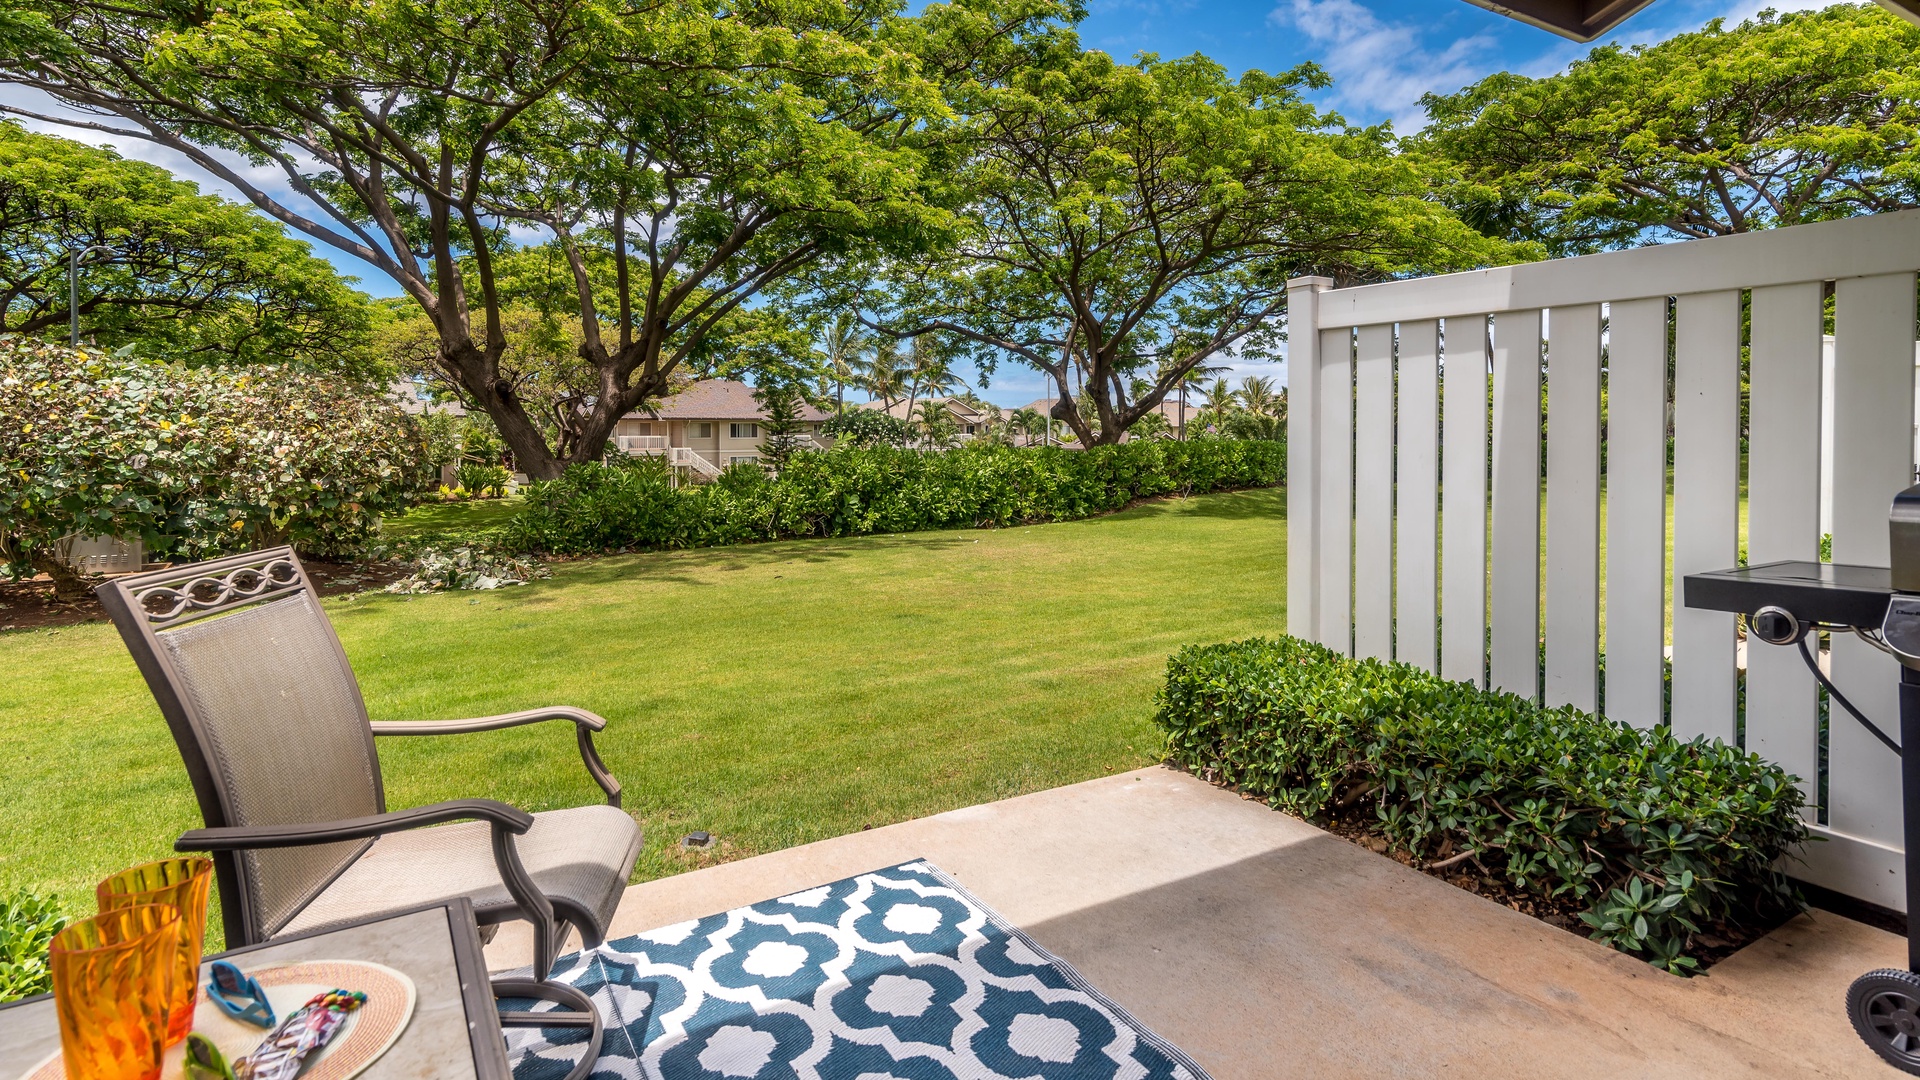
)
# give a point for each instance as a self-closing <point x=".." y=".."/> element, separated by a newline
<point x="705" y="150"/>
<point x="1781" y="120"/>
<point x="184" y="275"/>
<point x="1127" y="220"/>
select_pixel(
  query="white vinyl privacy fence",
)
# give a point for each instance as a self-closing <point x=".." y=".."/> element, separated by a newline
<point x="1435" y="519"/>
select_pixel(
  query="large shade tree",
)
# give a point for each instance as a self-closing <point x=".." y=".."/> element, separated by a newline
<point x="1134" y="220"/>
<point x="1781" y="120"/>
<point x="705" y="150"/>
<point x="176" y="273"/>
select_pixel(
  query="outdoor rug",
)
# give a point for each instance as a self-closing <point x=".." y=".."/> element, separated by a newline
<point x="895" y="973"/>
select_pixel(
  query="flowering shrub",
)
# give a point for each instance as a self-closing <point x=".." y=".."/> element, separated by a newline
<point x="1657" y="839"/>
<point x="853" y="491"/>
<point x="193" y="462"/>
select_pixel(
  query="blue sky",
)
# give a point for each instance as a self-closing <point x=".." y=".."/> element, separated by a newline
<point x="1383" y="55"/>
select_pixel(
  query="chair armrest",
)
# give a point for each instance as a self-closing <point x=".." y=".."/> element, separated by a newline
<point x="584" y="725"/>
<point x="239" y="837"/>
<point x="581" y="717"/>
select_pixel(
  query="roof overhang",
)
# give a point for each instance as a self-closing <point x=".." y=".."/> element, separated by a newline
<point x="1585" y="20"/>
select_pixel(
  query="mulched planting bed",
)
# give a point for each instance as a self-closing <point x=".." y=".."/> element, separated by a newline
<point x="30" y="605"/>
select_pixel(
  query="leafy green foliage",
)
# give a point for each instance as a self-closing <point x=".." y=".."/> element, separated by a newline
<point x="192" y="461"/>
<point x="185" y="276"/>
<point x="853" y="492"/>
<point x="28" y="923"/>
<point x="1782" y="120"/>
<point x="1659" y="838"/>
<point x="1134" y="220"/>
<point x="482" y="481"/>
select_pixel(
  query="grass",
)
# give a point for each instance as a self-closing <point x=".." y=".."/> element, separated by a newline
<point x="452" y="519"/>
<point x="772" y="694"/>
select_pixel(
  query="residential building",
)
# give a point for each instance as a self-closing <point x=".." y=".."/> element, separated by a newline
<point x="708" y="426"/>
<point x="968" y="421"/>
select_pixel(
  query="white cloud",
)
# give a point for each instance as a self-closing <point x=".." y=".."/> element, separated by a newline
<point x="1382" y="67"/>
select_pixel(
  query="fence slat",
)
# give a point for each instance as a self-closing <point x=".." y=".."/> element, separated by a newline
<point x="1783" y="512"/>
<point x="1303" y="455"/>
<point x="1373" y="492"/>
<point x="1872" y="460"/>
<point x="1573" y="507"/>
<point x="1636" y="510"/>
<point x="1336" y="490"/>
<point x="1706" y="524"/>
<point x="1515" y="663"/>
<point x="1463" y="557"/>
<point x="1416" y="495"/>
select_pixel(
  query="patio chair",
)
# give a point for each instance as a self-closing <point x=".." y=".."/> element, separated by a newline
<point x="269" y="720"/>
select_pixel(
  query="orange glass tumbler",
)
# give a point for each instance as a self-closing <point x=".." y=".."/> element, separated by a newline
<point x="112" y="977"/>
<point x="183" y="883"/>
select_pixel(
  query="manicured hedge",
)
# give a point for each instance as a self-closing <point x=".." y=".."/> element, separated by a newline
<point x="1658" y="838"/>
<point x="854" y="491"/>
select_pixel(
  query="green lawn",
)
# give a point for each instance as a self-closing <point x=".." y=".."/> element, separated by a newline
<point x="452" y="519"/>
<point x="771" y="694"/>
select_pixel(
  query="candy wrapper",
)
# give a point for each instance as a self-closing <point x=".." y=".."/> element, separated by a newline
<point x="304" y="1031"/>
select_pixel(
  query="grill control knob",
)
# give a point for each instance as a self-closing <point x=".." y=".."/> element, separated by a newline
<point x="1775" y="626"/>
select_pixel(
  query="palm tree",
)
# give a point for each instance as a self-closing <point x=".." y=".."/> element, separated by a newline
<point x="843" y="343"/>
<point x="1220" y="396"/>
<point x="1196" y="374"/>
<point x="1028" y="423"/>
<point x="929" y="373"/>
<point x="936" y="425"/>
<point x="883" y="374"/>
<point x="1257" y="395"/>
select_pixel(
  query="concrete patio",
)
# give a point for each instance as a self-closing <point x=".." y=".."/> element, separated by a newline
<point x="1265" y="947"/>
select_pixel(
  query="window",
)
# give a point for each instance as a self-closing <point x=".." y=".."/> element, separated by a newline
<point x="744" y="431"/>
<point x="643" y="429"/>
<point x="702" y="431"/>
<point x="970" y="429"/>
<point x="740" y="459"/>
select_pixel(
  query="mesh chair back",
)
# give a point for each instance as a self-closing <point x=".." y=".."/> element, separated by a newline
<point x="267" y="715"/>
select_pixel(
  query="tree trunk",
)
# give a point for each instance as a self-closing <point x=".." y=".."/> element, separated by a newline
<point x="68" y="586"/>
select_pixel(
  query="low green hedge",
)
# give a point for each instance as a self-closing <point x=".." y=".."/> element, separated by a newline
<point x="851" y="491"/>
<point x="28" y="923"/>
<point x="1658" y="839"/>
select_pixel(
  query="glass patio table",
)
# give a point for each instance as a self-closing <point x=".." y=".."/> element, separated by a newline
<point x="454" y="1030"/>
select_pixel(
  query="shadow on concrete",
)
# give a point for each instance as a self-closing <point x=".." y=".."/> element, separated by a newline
<point x="1321" y="959"/>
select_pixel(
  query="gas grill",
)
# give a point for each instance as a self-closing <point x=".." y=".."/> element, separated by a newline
<point x="1787" y="602"/>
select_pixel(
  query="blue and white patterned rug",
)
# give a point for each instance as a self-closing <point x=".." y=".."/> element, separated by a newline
<point x="896" y="973"/>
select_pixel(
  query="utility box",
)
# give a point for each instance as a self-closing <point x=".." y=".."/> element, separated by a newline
<point x="102" y="554"/>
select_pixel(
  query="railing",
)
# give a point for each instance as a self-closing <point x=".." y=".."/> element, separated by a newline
<point x="641" y="444"/>
<point x="685" y="457"/>
<point x="1416" y="527"/>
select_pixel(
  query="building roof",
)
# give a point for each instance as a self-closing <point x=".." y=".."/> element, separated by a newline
<point x="718" y="399"/>
<point x="960" y="409"/>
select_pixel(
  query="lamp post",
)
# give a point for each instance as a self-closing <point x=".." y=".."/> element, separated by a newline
<point x="76" y="256"/>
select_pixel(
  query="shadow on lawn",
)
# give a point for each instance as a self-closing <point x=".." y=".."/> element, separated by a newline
<point x="1256" y="504"/>
<point x="687" y="566"/>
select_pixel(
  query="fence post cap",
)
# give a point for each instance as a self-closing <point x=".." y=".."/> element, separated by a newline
<point x="1309" y="282"/>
